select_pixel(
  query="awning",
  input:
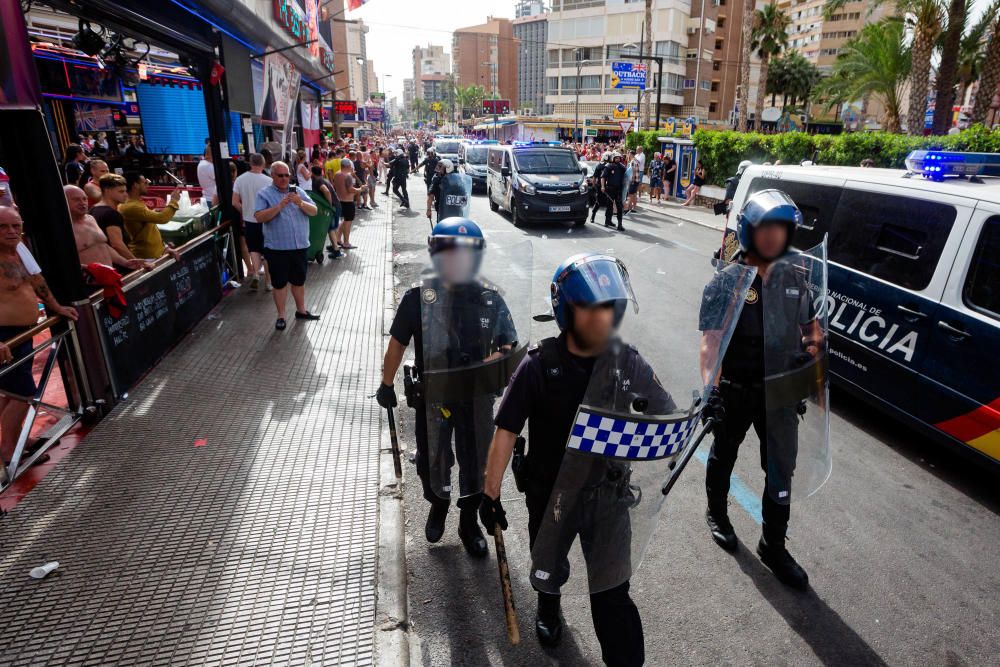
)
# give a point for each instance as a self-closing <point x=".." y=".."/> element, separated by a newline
<point x="490" y="125"/>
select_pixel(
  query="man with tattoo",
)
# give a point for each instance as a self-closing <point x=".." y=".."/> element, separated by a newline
<point x="21" y="291"/>
<point x="91" y="243"/>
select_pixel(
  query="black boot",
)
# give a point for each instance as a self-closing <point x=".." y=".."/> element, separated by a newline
<point x="720" y="527"/>
<point x="434" y="528"/>
<point x="781" y="563"/>
<point x="548" y="620"/>
<point x="470" y="533"/>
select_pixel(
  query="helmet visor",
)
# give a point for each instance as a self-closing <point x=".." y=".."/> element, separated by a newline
<point x="596" y="279"/>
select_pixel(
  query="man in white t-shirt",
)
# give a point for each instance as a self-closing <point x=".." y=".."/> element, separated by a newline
<point x="206" y="178"/>
<point x="245" y="190"/>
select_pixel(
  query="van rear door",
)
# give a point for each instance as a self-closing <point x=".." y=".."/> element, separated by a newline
<point x="965" y="337"/>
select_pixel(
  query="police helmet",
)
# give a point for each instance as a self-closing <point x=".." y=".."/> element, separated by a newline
<point x="616" y="156"/>
<point x="447" y="165"/>
<point x="431" y="151"/>
<point x="766" y="206"/>
<point x="456" y="233"/>
<point x="399" y="152"/>
<point x="606" y="157"/>
<point x="743" y="167"/>
<point x="590" y="279"/>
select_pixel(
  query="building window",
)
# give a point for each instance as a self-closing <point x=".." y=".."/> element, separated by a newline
<point x="713" y="107"/>
<point x="706" y="85"/>
<point x="716" y="65"/>
<point x="688" y="84"/>
<point x="552" y="83"/>
<point x="718" y="45"/>
<point x="715" y="86"/>
<point x="720" y="22"/>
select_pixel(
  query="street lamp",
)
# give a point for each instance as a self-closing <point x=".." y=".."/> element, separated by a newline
<point x="385" y="103"/>
<point x="579" y="65"/>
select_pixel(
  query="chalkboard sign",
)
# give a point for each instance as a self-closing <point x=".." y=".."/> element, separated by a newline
<point x="162" y="307"/>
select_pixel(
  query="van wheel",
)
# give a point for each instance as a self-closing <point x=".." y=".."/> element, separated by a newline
<point x="580" y="223"/>
<point x="493" y="205"/>
<point x="515" y="219"/>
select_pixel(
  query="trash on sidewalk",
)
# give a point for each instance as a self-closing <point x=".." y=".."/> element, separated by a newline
<point x="43" y="571"/>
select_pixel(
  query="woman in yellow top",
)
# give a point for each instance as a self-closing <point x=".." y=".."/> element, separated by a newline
<point x="141" y="222"/>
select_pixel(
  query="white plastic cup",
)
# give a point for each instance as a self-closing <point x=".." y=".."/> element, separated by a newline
<point x="43" y="571"/>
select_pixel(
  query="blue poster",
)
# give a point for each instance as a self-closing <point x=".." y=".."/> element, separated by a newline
<point x="628" y="75"/>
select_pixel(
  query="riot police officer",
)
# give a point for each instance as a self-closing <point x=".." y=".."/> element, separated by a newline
<point x="429" y="163"/>
<point x="765" y="229"/>
<point x="612" y="186"/>
<point x="598" y="196"/>
<point x="590" y="294"/>
<point x="456" y="320"/>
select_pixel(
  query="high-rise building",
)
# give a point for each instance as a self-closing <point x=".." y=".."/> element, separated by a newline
<point x="599" y="34"/>
<point x="532" y="35"/>
<point x="523" y="8"/>
<point x="487" y="55"/>
<point x="408" y="94"/>
<point x="356" y="61"/>
<point x="712" y="73"/>
<point x="429" y="61"/>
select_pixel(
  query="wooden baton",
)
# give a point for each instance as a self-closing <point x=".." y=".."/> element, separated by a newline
<point x="513" y="632"/>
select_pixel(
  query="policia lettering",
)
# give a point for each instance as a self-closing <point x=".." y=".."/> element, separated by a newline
<point x="466" y="347"/>
<point x="774" y="378"/>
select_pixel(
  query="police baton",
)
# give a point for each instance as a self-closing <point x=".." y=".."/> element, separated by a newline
<point x="396" y="463"/>
<point x="679" y="466"/>
<point x="513" y="632"/>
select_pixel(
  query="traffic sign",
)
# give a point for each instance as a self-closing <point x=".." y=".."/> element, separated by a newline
<point x="626" y="125"/>
<point x="591" y="133"/>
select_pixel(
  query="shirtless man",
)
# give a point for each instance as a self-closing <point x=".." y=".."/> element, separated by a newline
<point x="18" y="312"/>
<point x="91" y="243"/>
<point x="343" y="183"/>
<point x="92" y="187"/>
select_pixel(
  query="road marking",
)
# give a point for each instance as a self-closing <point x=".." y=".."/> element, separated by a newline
<point x="742" y="493"/>
<point x="648" y="247"/>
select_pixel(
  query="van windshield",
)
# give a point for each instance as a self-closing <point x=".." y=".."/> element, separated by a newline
<point x="475" y="154"/>
<point x="449" y="147"/>
<point x="546" y="162"/>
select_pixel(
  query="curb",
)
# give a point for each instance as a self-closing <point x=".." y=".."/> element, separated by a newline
<point x="392" y="620"/>
<point x="718" y="228"/>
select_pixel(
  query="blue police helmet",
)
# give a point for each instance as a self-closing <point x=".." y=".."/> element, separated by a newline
<point x="590" y="279"/>
<point x="455" y="232"/>
<point x="766" y="206"/>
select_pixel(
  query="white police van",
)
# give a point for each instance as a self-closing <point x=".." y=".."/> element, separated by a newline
<point x="537" y="181"/>
<point x="472" y="157"/>
<point x="914" y="284"/>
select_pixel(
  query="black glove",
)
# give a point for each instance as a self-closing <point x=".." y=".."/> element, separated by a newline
<point x="386" y="396"/>
<point x="491" y="514"/>
<point x="714" y="408"/>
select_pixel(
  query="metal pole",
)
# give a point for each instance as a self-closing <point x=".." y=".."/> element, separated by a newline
<point x="659" y="89"/>
<point x="638" y="93"/>
<point x="576" y="124"/>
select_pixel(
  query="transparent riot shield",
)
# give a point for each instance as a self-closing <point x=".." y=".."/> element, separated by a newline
<point x="456" y="196"/>
<point x="796" y="385"/>
<point x="640" y="410"/>
<point x="475" y="321"/>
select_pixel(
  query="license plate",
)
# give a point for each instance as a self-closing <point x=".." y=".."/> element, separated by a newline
<point x="559" y="209"/>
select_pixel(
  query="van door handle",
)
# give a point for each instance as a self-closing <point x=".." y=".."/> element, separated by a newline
<point x="910" y="311"/>
<point x="953" y="331"/>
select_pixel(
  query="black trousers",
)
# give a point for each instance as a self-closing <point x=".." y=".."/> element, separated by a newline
<point x="600" y="200"/>
<point x="617" y="623"/>
<point x="744" y="404"/>
<point x="614" y="202"/>
<point x="388" y="183"/>
<point x="468" y="456"/>
<point x="399" y="189"/>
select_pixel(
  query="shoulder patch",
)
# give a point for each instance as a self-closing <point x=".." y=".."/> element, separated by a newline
<point x="429" y="295"/>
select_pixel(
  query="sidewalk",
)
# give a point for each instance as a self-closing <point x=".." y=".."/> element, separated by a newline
<point x="697" y="215"/>
<point x="227" y="512"/>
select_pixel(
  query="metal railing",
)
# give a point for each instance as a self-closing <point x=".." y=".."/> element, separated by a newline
<point x="64" y="344"/>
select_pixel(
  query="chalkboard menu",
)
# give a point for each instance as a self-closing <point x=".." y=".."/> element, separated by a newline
<point x="162" y="307"/>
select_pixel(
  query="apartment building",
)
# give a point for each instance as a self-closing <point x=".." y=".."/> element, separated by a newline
<point x="430" y="63"/>
<point x="531" y="32"/>
<point x="488" y="55"/>
<point x="600" y="32"/>
<point x="409" y="94"/>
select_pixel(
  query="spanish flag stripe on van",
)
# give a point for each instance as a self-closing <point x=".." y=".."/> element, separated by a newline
<point x="979" y="428"/>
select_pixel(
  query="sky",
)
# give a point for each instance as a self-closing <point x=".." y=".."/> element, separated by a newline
<point x="396" y="26"/>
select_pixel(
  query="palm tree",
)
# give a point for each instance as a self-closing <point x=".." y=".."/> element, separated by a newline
<point x="470" y="97"/>
<point x="768" y="39"/>
<point x="947" y="71"/>
<point x="972" y="51"/>
<point x="797" y="77"/>
<point x="991" y="74"/>
<point x="876" y="62"/>
<point x="743" y="98"/>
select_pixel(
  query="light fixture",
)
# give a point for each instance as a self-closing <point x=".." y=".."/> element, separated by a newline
<point x="88" y="41"/>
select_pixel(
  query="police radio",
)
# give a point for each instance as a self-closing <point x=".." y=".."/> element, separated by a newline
<point x="412" y="387"/>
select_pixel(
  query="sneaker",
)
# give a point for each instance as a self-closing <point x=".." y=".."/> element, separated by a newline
<point x="268" y="288"/>
<point x="782" y="565"/>
<point x="254" y="284"/>
<point x="280" y="324"/>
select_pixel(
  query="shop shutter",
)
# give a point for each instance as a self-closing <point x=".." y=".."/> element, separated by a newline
<point x="173" y="118"/>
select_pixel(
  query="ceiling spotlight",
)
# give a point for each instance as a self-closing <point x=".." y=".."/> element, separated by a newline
<point x="89" y="41"/>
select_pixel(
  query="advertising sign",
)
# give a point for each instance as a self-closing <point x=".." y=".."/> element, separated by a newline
<point x="684" y="128"/>
<point x="496" y="107"/>
<point x="628" y="75"/>
<point x="346" y="107"/>
<point x="375" y="114"/>
<point x="280" y="88"/>
<point x="310" y="121"/>
<point x="621" y="111"/>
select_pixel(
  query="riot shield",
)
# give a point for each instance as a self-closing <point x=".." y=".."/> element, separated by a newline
<point x="475" y="332"/>
<point x="796" y="385"/>
<point x="456" y="196"/>
<point x="640" y="410"/>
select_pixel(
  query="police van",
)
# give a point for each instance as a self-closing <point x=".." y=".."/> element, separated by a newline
<point x="914" y="284"/>
<point x="472" y="154"/>
<point x="446" y="147"/>
<point x="535" y="181"/>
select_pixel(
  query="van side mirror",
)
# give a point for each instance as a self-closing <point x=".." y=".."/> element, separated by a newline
<point x="505" y="172"/>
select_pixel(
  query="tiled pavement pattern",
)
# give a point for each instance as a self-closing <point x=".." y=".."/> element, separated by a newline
<point x="256" y="549"/>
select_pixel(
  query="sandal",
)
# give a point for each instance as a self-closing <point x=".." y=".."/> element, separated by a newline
<point x="280" y="324"/>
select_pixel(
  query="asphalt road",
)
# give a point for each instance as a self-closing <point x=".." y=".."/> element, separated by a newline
<point x="900" y="544"/>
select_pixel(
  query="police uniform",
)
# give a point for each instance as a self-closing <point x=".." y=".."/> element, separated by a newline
<point x="614" y="176"/>
<point x="481" y="322"/>
<point x="546" y="390"/>
<point x="743" y="393"/>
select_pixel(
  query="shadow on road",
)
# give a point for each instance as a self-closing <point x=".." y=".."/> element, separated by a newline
<point x="832" y="640"/>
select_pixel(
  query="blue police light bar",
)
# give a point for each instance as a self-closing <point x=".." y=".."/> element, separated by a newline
<point x="935" y="165"/>
<point x="482" y="142"/>
<point x="535" y="144"/>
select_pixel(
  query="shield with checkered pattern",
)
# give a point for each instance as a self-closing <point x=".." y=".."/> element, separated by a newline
<point x="640" y="410"/>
